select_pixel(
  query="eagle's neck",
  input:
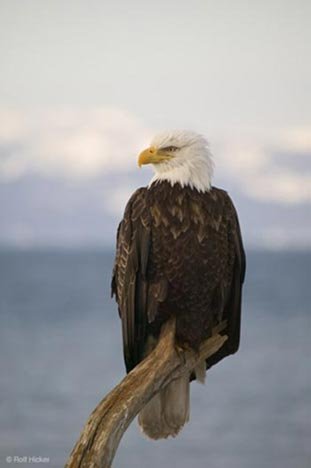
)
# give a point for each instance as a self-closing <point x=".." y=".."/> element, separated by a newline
<point x="196" y="173"/>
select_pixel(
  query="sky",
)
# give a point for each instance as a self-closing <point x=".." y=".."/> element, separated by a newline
<point x="85" y="85"/>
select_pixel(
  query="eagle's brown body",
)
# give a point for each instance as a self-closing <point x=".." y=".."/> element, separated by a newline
<point x="179" y="252"/>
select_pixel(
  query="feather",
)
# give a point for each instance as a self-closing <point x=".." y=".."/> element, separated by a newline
<point x="200" y="372"/>
<point x="179" y="251"/>
<point x="168" y="411"/>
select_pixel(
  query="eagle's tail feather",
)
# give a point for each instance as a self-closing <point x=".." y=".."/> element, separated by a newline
<point x="176" y="404"/>
<point x="168" y="411"/>
<point x="150" y="418"/>
<point x="200" y="371"/>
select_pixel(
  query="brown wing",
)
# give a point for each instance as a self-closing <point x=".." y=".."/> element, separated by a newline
<point x="152" y="278"/>
<point x="232" y="311"/>
<point x="129" y="283"/>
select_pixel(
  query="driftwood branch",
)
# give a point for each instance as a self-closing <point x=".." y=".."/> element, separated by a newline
<point x="103" y="431"/>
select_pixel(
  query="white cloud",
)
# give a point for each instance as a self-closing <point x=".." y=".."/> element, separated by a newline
<point x="297" y="139"/>
<point x="254" y="168"/>
<point x="80" y="144"/>
<point x="74" y="144"/>
<point x="116" y="200"/>
<point x="285" y="187"/>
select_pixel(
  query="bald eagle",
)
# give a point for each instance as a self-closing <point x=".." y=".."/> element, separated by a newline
<point x="179" y="253"/>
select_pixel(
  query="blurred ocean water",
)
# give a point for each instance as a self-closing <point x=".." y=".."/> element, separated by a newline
<point x="60" y="353"/>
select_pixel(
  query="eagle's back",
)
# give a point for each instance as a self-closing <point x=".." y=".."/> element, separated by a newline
<point x="193" y="252"/>
<point x="179" y="251"/>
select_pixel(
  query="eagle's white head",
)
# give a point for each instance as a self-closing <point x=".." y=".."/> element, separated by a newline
<point x="182" y="157"/>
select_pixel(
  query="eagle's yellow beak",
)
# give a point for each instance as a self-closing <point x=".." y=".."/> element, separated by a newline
<point x="153" y="156"/>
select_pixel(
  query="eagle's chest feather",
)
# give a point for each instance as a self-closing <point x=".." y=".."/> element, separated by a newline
<point x="189" y="241"/>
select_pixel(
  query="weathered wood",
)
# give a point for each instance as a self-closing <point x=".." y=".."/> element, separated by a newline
<point x="102" y="433"/>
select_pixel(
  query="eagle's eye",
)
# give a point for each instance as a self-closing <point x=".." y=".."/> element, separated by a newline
<point x="170" y="149"/>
